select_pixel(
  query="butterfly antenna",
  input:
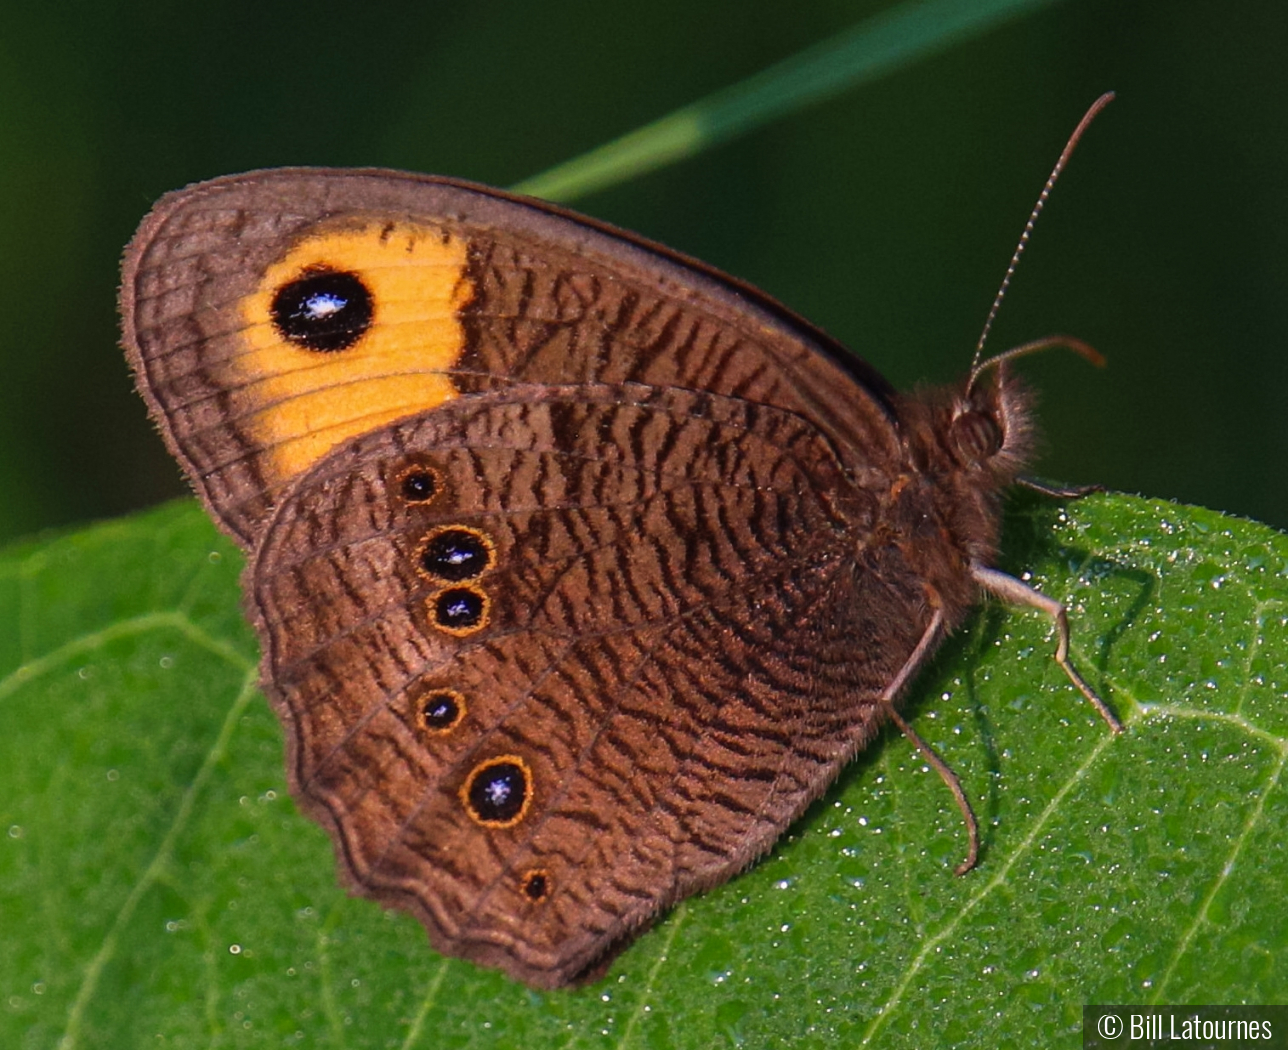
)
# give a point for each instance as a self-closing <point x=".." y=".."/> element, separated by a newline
<point x="1065" y="154"/>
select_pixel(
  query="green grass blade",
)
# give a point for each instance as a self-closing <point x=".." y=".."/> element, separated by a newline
<point x="874" y="47"/>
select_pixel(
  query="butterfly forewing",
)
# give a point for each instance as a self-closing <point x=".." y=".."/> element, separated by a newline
<point x="459" y="289"/>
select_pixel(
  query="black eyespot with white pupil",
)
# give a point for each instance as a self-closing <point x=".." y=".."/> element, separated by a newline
<point x="440" y="710"/>
<point x="536" y="886"/>
<point x="455" y="554"/>
<point x="323" y="310"/>
<point x="418" y="486"/>
<point x="497" y="792"/>
<point x="459" y="608"/>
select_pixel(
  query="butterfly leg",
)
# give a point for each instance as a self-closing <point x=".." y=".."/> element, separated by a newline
<point x="1057" y="491"/>
<point x="1009" y="589"/>
<point x="946" y="774"/>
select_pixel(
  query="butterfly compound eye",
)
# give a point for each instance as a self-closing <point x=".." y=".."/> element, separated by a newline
<point x="976" y="437"/>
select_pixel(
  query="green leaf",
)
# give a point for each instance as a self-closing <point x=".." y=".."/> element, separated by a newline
<point x="158" y="888"/>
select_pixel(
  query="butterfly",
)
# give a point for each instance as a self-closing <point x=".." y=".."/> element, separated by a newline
<point x="579" y="568"/>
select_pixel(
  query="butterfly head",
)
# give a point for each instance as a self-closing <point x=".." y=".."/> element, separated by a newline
<point x="964" y="444"/>
<point x="978" y="433"/>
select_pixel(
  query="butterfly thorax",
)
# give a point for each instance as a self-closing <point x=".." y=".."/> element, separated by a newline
<point x="961" y="448"/>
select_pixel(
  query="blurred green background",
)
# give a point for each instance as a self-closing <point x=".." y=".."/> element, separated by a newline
<point x="886" y="214"/>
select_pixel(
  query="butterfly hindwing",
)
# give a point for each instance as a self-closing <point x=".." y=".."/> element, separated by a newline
<point x="627" y="562"/>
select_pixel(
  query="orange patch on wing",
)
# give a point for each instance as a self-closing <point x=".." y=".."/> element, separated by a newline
<point x="299" y="403"/>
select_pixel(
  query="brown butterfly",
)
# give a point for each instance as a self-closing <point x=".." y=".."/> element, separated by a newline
<point x="580" y="569"/>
